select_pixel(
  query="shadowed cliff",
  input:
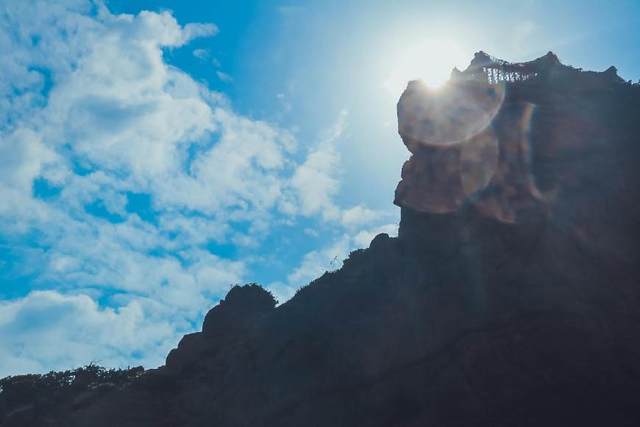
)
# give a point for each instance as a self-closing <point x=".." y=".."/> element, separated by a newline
<point x="509" y="298"/>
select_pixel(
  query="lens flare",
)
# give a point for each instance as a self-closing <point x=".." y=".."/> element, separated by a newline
<point x="448" y="116"/>
<point x="430" y="61"/>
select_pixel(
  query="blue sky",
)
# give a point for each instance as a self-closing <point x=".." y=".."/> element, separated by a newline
<point x="152" y="153"/>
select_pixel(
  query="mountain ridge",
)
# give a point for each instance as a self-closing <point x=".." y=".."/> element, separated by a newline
<point x="509" y="297"/>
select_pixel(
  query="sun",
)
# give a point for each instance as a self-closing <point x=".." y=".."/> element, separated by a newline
<point x="430" y="60"/>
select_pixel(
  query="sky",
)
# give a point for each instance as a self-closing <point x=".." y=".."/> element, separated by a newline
<point x="155" y="153"/>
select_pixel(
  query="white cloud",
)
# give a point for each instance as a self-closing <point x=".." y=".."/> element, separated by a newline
<point x="364" y="237"/>
<point x="88" y="103"/>
<point x="22" y="156"/>
<point x="316" y="262"/>
<point x="192" y="31"/>
<point x="133" y="123"/>
<point x="48" y="330"/>
<point x="202" y="54"/>
<point x="224" y="77"/>
<point x="358" y="216"/>
<point x="315" y="181"/>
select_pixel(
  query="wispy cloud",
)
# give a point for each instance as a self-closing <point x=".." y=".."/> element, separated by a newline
<point x="315" y="181"/>
<point x="93" y="114"/>
<point x="224" y="77"/>
<point x="202" y="54"/>
<point x="115" y="120"/>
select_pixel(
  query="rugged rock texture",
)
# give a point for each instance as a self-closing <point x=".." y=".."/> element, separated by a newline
<point x="225" y="324"/>
<point x="513" y="303"/>
<point x="511" y="139"/>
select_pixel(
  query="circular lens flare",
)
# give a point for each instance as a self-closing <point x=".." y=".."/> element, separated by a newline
<point x="448" y="116"/>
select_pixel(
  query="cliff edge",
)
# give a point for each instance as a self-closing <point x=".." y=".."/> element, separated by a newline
<point x="509" y="298"/>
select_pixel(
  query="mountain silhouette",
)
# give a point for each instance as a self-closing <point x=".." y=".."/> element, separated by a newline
<point x="509" y="298"/>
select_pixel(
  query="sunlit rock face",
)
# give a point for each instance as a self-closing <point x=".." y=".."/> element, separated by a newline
<point x="440" y="178"/>
<point x="446" y="116"/>
<point x="453" y="144"/>
<point x="471" y="143"/>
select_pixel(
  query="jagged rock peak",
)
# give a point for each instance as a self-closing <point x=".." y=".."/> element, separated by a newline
<point x="241" y="303"/>
<point x="251" y="296"/>
<point x="487" y="68"/>
<point x="471" y="142"/>
<point x="224" y="323"/>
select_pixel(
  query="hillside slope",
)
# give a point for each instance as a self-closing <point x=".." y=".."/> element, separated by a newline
<point x="509" y="298"/>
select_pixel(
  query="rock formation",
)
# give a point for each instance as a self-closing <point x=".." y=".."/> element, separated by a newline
<point x="509" y="298"/>
<point x="226" y="323"/>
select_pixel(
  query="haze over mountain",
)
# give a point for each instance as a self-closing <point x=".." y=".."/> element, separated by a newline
<point x="510" y="296"/>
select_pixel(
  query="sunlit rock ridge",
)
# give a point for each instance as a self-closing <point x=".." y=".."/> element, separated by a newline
<point x="485" y="138"/>
<point x="509" y="298"/>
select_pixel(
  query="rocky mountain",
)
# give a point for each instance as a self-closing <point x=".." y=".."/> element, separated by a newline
<point x="511" y="296"/>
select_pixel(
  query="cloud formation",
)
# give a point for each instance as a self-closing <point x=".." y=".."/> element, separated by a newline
<point x="118" y="171"/>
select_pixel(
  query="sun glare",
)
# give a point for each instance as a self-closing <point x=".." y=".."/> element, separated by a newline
<point x="430" y="61"/>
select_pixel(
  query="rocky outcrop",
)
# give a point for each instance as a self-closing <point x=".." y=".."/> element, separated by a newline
<point x="228" y="322"/>
<point x="509" y="298"/>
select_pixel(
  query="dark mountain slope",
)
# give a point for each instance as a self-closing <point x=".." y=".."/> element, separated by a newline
<point x="511" y="296"/>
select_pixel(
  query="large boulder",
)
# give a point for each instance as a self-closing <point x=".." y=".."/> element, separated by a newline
<point x="230" y="320"/>
<point x="242" y="304"/>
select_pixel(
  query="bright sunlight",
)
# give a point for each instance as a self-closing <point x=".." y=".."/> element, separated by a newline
<point x="430" y="61"/>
